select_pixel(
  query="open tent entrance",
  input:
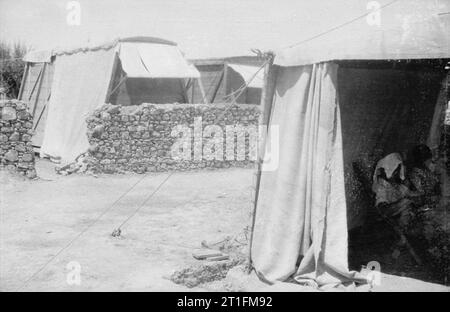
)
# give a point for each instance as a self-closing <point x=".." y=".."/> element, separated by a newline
<point x="135" y="91"/>
<point x="335" y="121"/>
<point x="342" y="99"/>
<point x="386" y="107"/>
<point x="150" y="74"/>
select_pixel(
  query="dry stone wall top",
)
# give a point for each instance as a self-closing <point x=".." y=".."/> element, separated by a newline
<point x="144" y="137"/>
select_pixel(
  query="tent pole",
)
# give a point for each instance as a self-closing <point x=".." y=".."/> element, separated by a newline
<point x="35" y="83"/>
<point x="268" y="73"/>
<point x="117" y="86"/>
<point x="218" y="86"/>
<point x="39" y="90"/>
<point x="225" y="77"/>
<point x="113" y="73"/>
<point x="184" y="87"/>
<point x="24" y="76"/>
<point x="42" y="112"/>
<point x="192" y="90"/>
<point x="200" y="85"/>
<point x="39" y="118"/>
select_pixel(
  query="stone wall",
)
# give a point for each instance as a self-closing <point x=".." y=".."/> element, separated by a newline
<point x="16" y="152"/>
<point x="142" y="138"/>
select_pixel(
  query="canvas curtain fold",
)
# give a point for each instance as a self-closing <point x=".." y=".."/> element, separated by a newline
<point x="300" y="225"/>
<point x="434" y="136"/>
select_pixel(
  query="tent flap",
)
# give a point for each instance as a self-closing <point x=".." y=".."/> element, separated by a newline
<point x="143" y="60"/>
<point x="38" y="57"/>
<point x="80" y="84"/>
<point x="301" y="207"/>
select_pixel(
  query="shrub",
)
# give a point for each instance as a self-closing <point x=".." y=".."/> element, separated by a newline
<point x="11" y="67"/>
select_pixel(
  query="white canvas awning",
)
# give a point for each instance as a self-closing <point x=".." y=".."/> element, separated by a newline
<point x="251" y="75"/>
<point x="143" y="60"/>
<point x="407" y="30"/>
<point x="40" y="56"/>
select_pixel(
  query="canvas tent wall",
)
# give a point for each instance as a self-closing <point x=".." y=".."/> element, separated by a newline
<point x="223" y="76"/>
<point x="81" y="79"/>
<point x="36" y="90"/>
<point x="312" y="99"/>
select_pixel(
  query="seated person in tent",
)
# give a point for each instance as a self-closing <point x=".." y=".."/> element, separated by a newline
<point x="423" y="177"/>
<point x="429" y="223"/>
<point x="393" y="197"/>
<point x="411" y="195"/>
<point x="425" y="181"/>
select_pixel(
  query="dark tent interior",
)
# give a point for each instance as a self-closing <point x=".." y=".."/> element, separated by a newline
<point x="386" y="107"/>
<point x="250" y="95"/>
<point x="135" y="91"/>
<point x="220" y="81"/>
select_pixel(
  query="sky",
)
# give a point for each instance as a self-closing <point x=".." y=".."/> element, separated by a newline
<point x="202" y="28"/>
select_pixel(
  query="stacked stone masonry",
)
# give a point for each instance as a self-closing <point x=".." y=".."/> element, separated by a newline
<point x="16" y="151"/>
<point x="141" y="138"/>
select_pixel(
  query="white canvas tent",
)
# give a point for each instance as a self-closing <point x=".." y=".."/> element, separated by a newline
<point x="63" y="87"/>
<point x="312" y="97"/>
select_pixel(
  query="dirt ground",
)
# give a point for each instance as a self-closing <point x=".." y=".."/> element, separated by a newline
<point x="39" y="218"/>
<point x="72" y="217"/>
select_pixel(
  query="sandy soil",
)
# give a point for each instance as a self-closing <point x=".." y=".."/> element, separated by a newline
<point x="39" y="218"/>
<point x="72" y="218"/>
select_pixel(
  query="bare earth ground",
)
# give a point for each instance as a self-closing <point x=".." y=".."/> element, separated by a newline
<point x="41" y="217"/>
<point x="38" y="218"/>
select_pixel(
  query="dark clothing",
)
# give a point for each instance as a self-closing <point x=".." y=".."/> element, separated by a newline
<point x="426" y="183"/>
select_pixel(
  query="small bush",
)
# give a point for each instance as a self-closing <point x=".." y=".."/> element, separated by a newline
<point x="11" y="67"/>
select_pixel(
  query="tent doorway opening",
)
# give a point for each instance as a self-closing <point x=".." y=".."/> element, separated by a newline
<point x="386" y="107"/>
<point x="137" y="90"/>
